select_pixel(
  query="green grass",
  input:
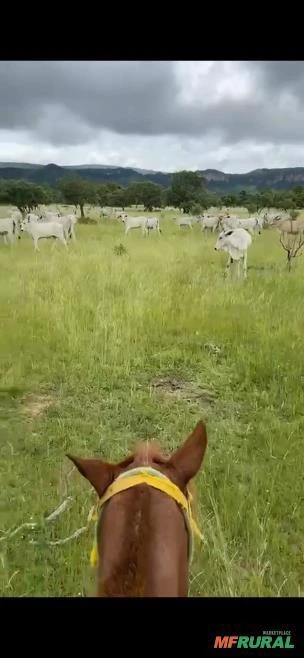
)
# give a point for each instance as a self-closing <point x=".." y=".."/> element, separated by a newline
<point x="92" y="330"/>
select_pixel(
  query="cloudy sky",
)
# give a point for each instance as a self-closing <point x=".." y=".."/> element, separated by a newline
<point x="166" y="116"/>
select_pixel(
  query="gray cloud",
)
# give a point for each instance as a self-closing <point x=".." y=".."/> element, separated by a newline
<point x="281" y="75"/>
<point x="78" y="104"/>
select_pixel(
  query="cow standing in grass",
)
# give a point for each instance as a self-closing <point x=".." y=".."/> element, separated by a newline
<point x="152" y="224"/>
<point x="68" y="222"/>
<point x="132" y="223"/>
<point x="290" y="227"/>
<point x="235" y="243"/>
<point x="8" y="227"/>
<point x="44" y="230"/>
<point x="211" y="223"/>
<point x="184" y="221"/>
<point x="251" y="224"/>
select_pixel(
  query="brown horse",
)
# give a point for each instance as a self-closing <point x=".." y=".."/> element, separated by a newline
<point x="144" y="528"/>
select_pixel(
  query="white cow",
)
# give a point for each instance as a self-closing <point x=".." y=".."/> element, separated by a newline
<point x="16" y="215"/>
<point x="230" y="222"/>
<point x="152" y="224"/>
<point x="8" y="227"/>
<point x="67" y="222"/>
<point x="44" y="230"/>
<point x="32" y="217"/>
<point x="49" y="215"/>
<point x="135" y="222"/>
<point x="235" y="243"/>
<point x="209" y="222"/>
<point x="184" y="221"/>
<point x="106" y="212"/>
<point x="251" y="224"/>
<point x="119" y="214"/>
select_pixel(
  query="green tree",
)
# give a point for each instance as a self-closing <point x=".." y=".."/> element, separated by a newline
<point x="147" y="193"/>
<point x="151" y="195"/>
<point x="251" y="207"/>
<point x="117" y="198"/>
<point x="267" y="198"/>
<point x="196" y="209"/>
<point x="285" y="200"/>
<point x="133" y="194"/>
<point x="164" y="197"/>
<point x="187" y="189"/>
<point x="25" y="195"/>
<point x="229" y="200"/>
<point x="4" y="199"/>
<point x="298" y="196"/>
<point x="77" y="192"/>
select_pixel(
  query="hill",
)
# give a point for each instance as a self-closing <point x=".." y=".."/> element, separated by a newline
<point x="216" y="181"/>
<point x="52" y="173"/>
<point x="276" y="179"/>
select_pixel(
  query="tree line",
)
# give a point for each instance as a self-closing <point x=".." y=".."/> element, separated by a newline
<point x="187" y="192"/>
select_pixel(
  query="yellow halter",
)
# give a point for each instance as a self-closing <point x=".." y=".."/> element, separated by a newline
<point x="156" y="479"/>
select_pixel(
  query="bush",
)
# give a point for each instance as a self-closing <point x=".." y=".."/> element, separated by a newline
<point x="196" y="209"/>
<point x="293" y="215"/>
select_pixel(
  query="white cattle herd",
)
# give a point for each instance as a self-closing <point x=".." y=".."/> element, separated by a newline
<point x="235" y="234"/>
<point x="46" y="224"/>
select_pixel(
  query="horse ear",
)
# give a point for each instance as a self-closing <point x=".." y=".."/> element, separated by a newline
<point x="100" y="474"/>
<point x="187" y="459"/>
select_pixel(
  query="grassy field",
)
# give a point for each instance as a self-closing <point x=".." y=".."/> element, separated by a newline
<point x="99" y="350"/>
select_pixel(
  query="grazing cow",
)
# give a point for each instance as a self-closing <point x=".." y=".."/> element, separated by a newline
<point x="31" y="217"/>
<point x="211" y="223"/>
<point x="67" y="222"/>
<point x="145" y="521"/>
<point x="50" y="215"/>
<point x="235" y="243"/>
<point x="106" y="212"/>
<point x="135" y="222"/>
<point x="271" y="217"/>
<point x="251" y="224"/>
<point x="260" y="222"/>
<point x="229" y="223"/>
<point x="17" y="217"/>
<point x="8" y="228"/>
<point x="291" y="227"/>
<point x="44" y="230"/>
<point x="152" y="224"/>
<point x="184" y="221"/>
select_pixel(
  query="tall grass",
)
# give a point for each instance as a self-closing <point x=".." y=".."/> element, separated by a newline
<point x="89" y="331"/>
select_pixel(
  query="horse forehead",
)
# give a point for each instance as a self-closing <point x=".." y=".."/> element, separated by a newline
<point x="147" y="451"/>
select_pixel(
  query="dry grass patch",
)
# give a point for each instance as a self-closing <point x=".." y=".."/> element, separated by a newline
<point x="36" y="405"/>
<point x="189" y="391"/>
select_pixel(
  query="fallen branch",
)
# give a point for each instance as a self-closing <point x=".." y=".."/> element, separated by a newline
<point x="59" y="510"/>
<point x="31" y="526"/>
<point x="10" y="533"/>
<point x="75" y="534"/>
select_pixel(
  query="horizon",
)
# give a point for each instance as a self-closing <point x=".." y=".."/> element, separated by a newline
<point x="7" y="163"/>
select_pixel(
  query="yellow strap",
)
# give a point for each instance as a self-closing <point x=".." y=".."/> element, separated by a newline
<point x="162" y="484"/>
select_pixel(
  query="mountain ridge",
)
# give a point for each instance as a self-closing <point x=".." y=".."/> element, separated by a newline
<point x="216" y="180"/>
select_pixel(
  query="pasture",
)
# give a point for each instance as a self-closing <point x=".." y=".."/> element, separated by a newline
<point x="100" y="349"/>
